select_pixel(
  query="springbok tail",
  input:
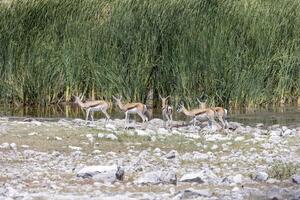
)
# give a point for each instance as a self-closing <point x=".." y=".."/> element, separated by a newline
<point x="225" y="112"/>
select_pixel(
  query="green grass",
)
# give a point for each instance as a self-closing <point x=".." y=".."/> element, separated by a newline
<point x="242" y="53"/>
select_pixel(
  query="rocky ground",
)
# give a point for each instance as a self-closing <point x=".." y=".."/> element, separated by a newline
<point x="71" y="160"/>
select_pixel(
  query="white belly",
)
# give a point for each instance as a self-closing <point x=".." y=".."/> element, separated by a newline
<point x="202" y="117"/>
<point x="96" y="108"/>
<point x="133" y="110"/>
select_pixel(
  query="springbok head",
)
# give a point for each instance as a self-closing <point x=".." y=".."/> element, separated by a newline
<point x="77" y="99"/>
<point x="117" y="99"/>
<point x="163" y="100"/>
<point x="202" y="104"/>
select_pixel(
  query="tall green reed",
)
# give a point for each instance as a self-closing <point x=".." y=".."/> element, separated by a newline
<point x="243" y="53"/>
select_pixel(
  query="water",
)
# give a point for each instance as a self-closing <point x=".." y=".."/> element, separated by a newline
<point x="278" y="115"/>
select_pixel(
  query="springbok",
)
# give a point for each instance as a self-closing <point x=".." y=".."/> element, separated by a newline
<point x="221" y="113"/>
<point x="198" y="113"/>
<point x="167" y="110"/>
<point x="93" y="106"/>
<point x="132" y="108"/>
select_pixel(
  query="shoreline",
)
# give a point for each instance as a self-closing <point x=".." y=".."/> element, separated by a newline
<point x="43" y="159"/>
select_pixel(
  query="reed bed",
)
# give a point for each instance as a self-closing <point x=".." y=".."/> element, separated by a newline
<point x="242" y="53"/>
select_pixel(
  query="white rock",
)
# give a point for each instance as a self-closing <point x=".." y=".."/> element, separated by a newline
<point x="238" y="178"/>
<point x="214" y="147"/>
<point x="111" y="137"/>
<point x="275" y="139"/>
<point x="204" y="176"/>
<point x="240" y="138"/>
<point x="75" y="148"/>
<point x="91" y="170"/>
<point x="111" y="127"/>
<point x="275" y="133"/>
<point x="107" y="136"/>
<point x="191" y="193"/>
<point x="261" y="176"/>
<point x="288" y="132"/>
<point x="284" y="128"/>
<point x="32" y="133"/>
<point x="58" y="138"/>
<point x="267" y="146"/>
<point x="90" y="137"/>
<point x="153" y="139"/>
<point x="4" y="145"/>
<point x="24" y="146"/>
<point x="259" y="125"/>
<point x="163" y="131"/>
<point x="107" y="174"/>
<point x="171" y="154"/>
<point x="200" y="156"/>
<point x="95" y="152"/>
<point x="296" y="179"/>
<point x="142" y="132"/>
<point x="158" y="177"/>
<point x="157" y="150"/>
<point x="13" y="146"/>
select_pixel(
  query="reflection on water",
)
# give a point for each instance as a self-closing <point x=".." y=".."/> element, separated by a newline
<point x="278" y="115"/>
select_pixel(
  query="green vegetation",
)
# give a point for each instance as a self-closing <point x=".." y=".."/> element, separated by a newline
<point x="240" y="52"/>
<point x="282" y="171"/>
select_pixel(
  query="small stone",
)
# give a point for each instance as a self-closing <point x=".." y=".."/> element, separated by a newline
<point x="75" y="148"/>
<point x="58" y="138"/>
<point x="24" y="146"/>
<point x="111" y="127"/>
<point x="90" y="137"/>
<point x="214" y="147"/>
<point x="141" y="132"/>
<point x="171" y="154"/>
<point x="13" y="146"/>
<point x="32" y="133"/>
<point x="296" y="179"/>
<point x="240" y="138"/>
<point x="153" y="139"/>
<point x="284" y="128"/>
<point x="287" y="132"/>
<point x="200" y="156"/>
<point x="238" y="179"/>
<point x="107" y="136"/>
<point x="261" y="176"/>
<point x="111" y="137"/>
<point x="76" y="153"/>
<point x="259" y="125"/>
<point x="162" y="131"/>
<point x="95" y="152"/>
<point x="157" y="150"/>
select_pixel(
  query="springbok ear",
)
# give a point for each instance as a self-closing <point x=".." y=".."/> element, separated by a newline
<point x="121" y="97"/>
<point x="168" y="97"/>
<point x="160" y="97"/>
